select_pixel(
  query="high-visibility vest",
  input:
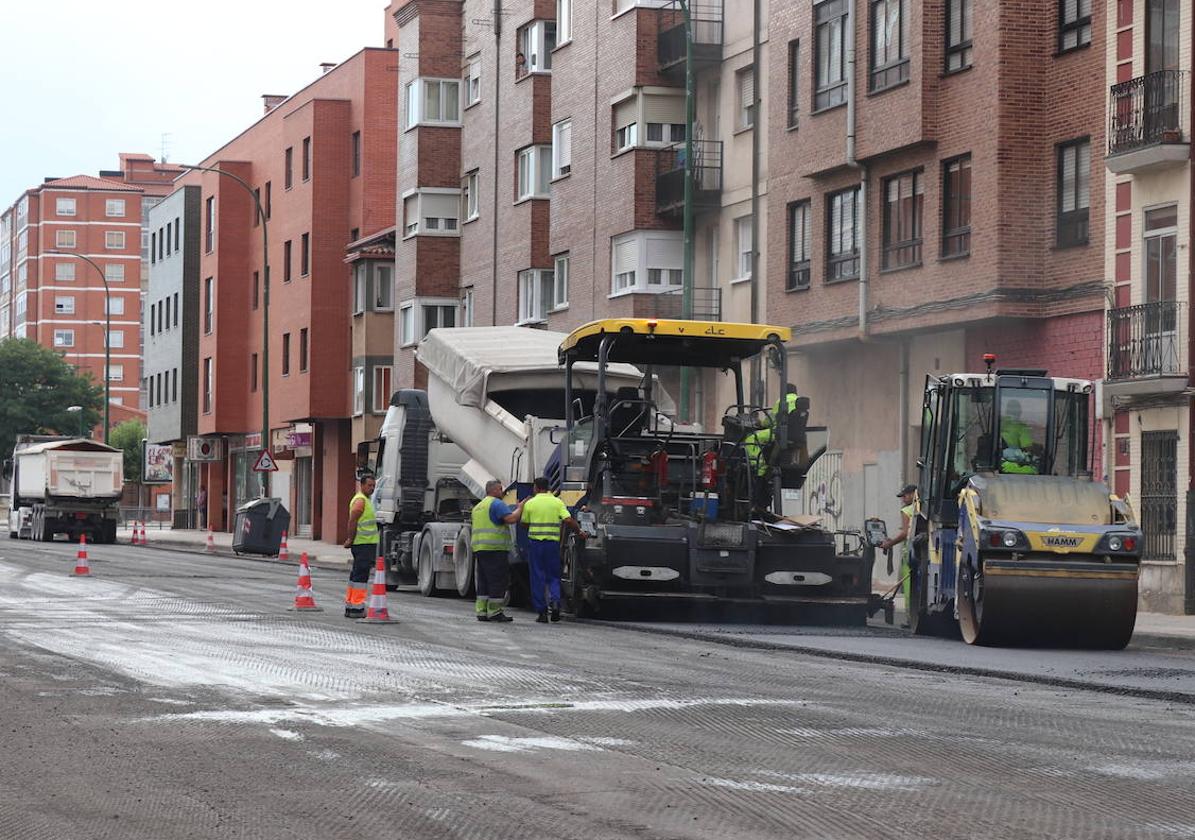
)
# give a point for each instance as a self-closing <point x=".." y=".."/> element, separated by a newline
<point x="367" y="525"/>
<point x="908" y="512"/>
<point x="542" y="514"/>
<point x="753" y="446"/>
<point x="791" y="399"/>
<point x="485" y="535"/>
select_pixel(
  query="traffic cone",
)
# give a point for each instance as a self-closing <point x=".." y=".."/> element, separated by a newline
<point x="140" y="532"/>
<point x="283" y="550"/>
<point x="133" y="539"/>
<point x="304" y="597"/>
<point x="144" y="535"/>
<point x="378" y="612"/>
<point x="211" y="542"/>
<point x="82" y="567"/>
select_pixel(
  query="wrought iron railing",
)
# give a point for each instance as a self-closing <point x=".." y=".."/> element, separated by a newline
<point x="1146" y="111"/>
<point x="1147" y="340"/>
<point x="707" y="32"/>
<point x="1159" y="494"/>
<point x="707" y="305"/>
<point x="706" y="174"/>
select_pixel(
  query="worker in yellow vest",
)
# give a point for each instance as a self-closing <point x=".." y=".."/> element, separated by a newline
<point x="908" y="499"/>
<point x="789" y="400"/>
<point x="490" y="540"/>
<point x="543" y="514"/>
<point x="362" y="541"/>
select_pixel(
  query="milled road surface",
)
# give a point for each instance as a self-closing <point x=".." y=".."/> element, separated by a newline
<point x="173" y="696"/>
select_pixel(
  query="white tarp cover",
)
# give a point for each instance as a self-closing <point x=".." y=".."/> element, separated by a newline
<point x="464" y="357"/>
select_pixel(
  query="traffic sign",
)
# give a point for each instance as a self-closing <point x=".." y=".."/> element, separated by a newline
<point x="265" y="463"/>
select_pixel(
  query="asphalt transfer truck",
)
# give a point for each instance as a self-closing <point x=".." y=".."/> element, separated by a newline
<point x="64" y="485"/>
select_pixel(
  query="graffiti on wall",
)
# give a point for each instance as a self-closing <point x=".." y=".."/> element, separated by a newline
<point x="823" y="490"/>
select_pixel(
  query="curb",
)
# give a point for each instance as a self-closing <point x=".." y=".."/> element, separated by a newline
<point x="201" y="548"/>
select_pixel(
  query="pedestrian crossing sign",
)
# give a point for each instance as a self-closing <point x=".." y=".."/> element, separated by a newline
<point x="265" y="463"/>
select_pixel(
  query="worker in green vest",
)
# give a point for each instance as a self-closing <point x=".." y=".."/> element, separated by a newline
<point x="1017" y="439"/>
<point x="543" y="515"/>
<point x="362" y="541"/>
<point x="908" y="497"/>
<point x="489" y="537"/>
<point x="789" y="398"/>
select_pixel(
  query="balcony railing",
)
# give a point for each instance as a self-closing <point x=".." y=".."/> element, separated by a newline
<point x="707" y="34"/>
<point x="706" y="174"/>
<point x="1146" y="111"/>
<point x="1147" y="340"/>
<point x="707" y="305"/>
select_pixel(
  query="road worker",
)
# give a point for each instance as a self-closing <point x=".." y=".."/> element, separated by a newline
<point x="907" y="496"/>
<point x="362" y="541"/>
<point x="1019" y="449"/>
<point x="755" y="447"/>
<point x="790" y="397"/>
<point x="543" y="514"/>
<point x="491" y="543"/>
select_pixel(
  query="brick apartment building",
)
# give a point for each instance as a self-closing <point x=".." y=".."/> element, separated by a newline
<point x="1148" y="188"/>
<point x="323" y="166"/>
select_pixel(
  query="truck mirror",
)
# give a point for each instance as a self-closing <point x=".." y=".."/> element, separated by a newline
<point x="8" y="468"/>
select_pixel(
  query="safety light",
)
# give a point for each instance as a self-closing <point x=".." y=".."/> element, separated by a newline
<point x="1010" y="539"/>
<point x="1130" y="543"/>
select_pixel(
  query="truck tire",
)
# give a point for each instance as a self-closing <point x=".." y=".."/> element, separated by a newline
<point x="462" y="561"/>
<point x="571" y="583"/>
<point x="426" y="570"/>
<point x="108" y="532"/>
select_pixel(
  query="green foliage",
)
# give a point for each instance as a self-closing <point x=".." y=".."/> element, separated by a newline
<point x="36" y="387"/>
<point x="128" y="436"/>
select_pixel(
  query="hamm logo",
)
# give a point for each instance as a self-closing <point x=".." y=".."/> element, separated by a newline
<point x="1061" y="542"/>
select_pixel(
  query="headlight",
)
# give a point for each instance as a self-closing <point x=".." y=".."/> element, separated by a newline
<point x="1010" y="539"/>
<point x="1114" y="543"/>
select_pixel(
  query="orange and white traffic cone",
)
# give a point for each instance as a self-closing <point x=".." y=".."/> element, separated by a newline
<point x="211" y="542"/>
<point x="283" y="550"/>
<point x="304" y="597"/>
<point x="378" y="613"/>
<point x="140" y="533"/>
<point x="82" y="567"/>
<point x="133" y="539"/>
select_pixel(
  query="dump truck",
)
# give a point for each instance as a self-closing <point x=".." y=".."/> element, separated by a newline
<point x="493" y="409"/>
<point x="685" y="515"/>
<point x="1014" y="542"/>
<point x="64" y="485"/>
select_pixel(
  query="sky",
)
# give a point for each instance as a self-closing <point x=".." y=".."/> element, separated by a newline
<point x="86" y="80"/>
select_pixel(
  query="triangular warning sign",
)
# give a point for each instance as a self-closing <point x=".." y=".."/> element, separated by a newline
<point x="265" y="463"/>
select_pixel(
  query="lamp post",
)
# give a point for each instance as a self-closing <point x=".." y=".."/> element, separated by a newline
<point x="265" y="307"/>
<point x="107" y="335"/>
<point x="77" y="409"/>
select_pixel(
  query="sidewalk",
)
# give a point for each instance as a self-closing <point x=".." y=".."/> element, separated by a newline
<point x="319" y="554"/>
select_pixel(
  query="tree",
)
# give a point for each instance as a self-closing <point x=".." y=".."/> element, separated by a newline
<point x="36" y="387"/>
<point x="128" y="436"/>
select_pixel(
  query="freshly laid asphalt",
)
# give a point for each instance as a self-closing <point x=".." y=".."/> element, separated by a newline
<point x="175" y="696"/>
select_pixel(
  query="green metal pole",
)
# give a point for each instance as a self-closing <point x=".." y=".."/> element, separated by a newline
<point x="107" y="341"/>
<point x="686" y="385"/>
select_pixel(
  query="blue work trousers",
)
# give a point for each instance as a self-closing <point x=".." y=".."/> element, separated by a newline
<point x="544" y="566"/>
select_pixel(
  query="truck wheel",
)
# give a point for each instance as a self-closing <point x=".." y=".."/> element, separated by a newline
<point x="570" y="574"/>
<point x="108" y="532"/>
<point x="462" y="561"/>
<point x="427" y="574"/>
<point x="39" y="527"/>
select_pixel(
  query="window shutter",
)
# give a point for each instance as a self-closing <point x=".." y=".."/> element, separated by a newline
<point x="747" y="88"/>
<point x="624" y="112"/>
<point x="626" y="256"/>
<point x="665" y="253"/>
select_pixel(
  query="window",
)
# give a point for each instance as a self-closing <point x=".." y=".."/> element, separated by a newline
<point x="383" y="287"/>
<point x="564" y="21"/>
<point x="421" y="315"/>
<point x="286" y="354"/>
<point x="432" y="210"/>
<point x="64" y="305"/>
<point x="114" y="208"/>
<point x="1161" y="263"/>
<point x="560" y="283"/>
<point x="467" y="307"/>
<point x="743" y="246"/>
<point x="64" y="338"/>
<point x="626" y="137"/>
<point x="356" y="141"/>
<point x="256" y="289"/>
<point x="646" y="262"/>
<point x="176" y="309"/>
<point x="904" y="197"/>
<point x="64" y="206"/>
<point x="469" y="202"/>
<point x="269" y="208"/>
<point x="1074" y="24"/>
<point x="745" y="83"/>
<point x="360" y="286"/>
<point x="406" y="324"/>
<point x="168" y="239"/>
<point x="64" y="239"/>
<point x="153" y="248"/>
<point x="115" y="338"/>
<point x="794" y="82"/>
<point x="534" y="164"/>
<point x="174" y="386"/>
<point x="253" y="368"/>
<point x="306" y="158"/>
<point x="303" y="350"/>
<point x="664" y="134"/>
<point x="288" y="177"/>
<point x="889" y="44"/>
<point x="209" y="304"/>
<point x="116" y="373"/>
<point x="207" y="385"/>
<point x="209" y="224"/>
<point x="305" y="255"/>
<point x="842" y="253"/>
<point x="473" y="82"/>
<point x="800" y="246"/>
<point x="958" y="35"/>
<point x="956" y="207"/>
<point x="358" y="390"/>
<point x="625" y="264"/>
<point x="1074" y="174"/>
<point x="1162" y="35"/>
<point x="535" y="294"/>
<point x="114" y="272"/>
<point x="535" y="42"/>
<point x="256" y="203"/>
<point x="829" y="54"/>
<point x="562" y="148"/>
<point x="433" y="101"/>
<point x="381" y="388"/>
<point x="286" y="261"/>
<point x="64" y="272"/>
<point x="115" y="306"/>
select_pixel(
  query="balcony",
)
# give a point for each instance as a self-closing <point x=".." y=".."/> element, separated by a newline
<point x="1147" y="349"/>
<point x="707" y="305"/>
<point x="706" y="173"/>
<point x="1145" y="123"/>
<point x="707" y="37"/>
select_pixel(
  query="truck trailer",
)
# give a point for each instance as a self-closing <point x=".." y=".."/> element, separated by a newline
<point x="64" y="485"/>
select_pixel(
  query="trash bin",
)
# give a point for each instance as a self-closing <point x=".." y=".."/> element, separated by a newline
<point x="258" y="527"/>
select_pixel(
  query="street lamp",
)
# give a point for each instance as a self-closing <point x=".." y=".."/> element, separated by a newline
<point x="265" y="307"/>
<point x="77" y="409"/>
<point x="107" y="334"/>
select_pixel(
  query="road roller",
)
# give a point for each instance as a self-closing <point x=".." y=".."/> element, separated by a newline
<point x="1013" y="542"/>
